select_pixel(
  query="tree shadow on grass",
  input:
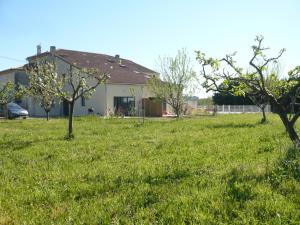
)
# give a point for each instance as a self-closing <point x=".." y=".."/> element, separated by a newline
<point x="239" y="189"/>
<point x="120" y="182"/>
<point x="176" y="176"/>
<point x="287" y="167"/>
<point x="233" y="125"/>
<point x="283" y="177"/>
<point x="239" y="186"/>
<point x="16" y="145"/>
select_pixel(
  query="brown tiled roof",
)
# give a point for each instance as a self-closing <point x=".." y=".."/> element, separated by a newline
<point x="122" y="71"/>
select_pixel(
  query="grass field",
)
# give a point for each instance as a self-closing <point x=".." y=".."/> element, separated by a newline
<point x="226" y="169"/>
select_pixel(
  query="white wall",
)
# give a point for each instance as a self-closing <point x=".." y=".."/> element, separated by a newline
<point x="126" y="90"/>
<point x="102" y="99"/>
<point x="35" y="109"/>
<point x="97" y="102"/>
<point x="4" y="78"/>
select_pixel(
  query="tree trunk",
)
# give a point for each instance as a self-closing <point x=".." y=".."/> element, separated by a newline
<point x="264" y="119"/>
<point x="47" y="115"/>
<point x="177" y="112"/>
<point x="290" y="130"/>
<point x="71" y="110"/>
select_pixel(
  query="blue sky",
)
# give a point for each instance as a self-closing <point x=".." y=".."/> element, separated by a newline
<point x="143" y="30"/>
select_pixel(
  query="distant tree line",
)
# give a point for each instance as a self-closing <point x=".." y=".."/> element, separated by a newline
<point x="227" y="99"/>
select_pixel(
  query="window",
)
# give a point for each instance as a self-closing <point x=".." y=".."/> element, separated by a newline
<point x="124" y="106"/>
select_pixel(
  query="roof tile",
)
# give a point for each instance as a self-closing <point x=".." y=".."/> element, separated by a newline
<point x="122" y="71"/>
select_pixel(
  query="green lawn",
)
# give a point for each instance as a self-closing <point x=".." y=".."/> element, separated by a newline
<point x="211" y="170"/>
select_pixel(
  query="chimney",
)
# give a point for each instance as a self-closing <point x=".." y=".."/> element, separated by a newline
<point x="38" y="49"/>
<point x="52" y="49"/>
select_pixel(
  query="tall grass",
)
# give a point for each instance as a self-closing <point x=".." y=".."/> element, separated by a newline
<point x="211" y="170"/>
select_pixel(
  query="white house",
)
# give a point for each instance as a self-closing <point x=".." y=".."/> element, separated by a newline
<point x="126" y="89"/>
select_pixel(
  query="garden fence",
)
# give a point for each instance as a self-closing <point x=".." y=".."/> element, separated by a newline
<point x="233" y="108"/>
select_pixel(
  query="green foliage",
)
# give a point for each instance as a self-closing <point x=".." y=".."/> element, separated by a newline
<point x="228" y="99"/>
<point x="47" y="84"/>
<point x="43" y="80"/>
<point x="287" y="168"/>
<point x="189" y="171"/>
<point x="224" y="75"/>
<point x="6" y="93"/>
<point x="9" y="92"/>
<point x="237" y="189"/>
<point x="262" y="85"/>
<point x="176" y="77"/>
<point x="214" y="63"/>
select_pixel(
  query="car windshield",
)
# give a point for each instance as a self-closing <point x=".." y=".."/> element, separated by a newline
<point x="13" y="106"/>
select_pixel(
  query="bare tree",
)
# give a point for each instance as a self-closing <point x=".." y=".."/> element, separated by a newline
<point x="176" y="76"/>
<point x="253" y="82"/>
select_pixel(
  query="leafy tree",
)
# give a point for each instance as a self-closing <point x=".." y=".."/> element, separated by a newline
<point x="257" y="81"/>
<point x="6" y="93"/>
<point x="69" y="87"/>
<point x="176" y="76"/>
<point x="42" y="87"/>
<point x="81" y="82"/>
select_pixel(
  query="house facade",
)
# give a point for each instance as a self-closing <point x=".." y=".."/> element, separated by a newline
<point x="16" y="76"/>
<point x="123" y="93"/>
